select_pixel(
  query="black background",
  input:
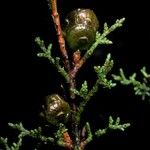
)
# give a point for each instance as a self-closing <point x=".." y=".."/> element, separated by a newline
<point x="26" y="79"/>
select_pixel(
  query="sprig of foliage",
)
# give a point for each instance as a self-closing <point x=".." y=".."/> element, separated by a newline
<point x="36" y="133"/>
<point x="47" y="54"/>
<point x="85" y="93"/>
<point x="141" y="88"/>
<point x="102" y="80"/>
<point x="102" y="39"/>
<point x="112" y="125"/>
<point x="103" y="71"/>
<point x="4" y="141"/>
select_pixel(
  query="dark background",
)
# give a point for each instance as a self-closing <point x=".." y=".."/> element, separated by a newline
<point x="26" y="79"/>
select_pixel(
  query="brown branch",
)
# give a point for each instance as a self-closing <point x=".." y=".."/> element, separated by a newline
<point x="61" y="40"/>
<point x="72" y="83"/>
<point x="89" y="137"/>
<point x="68" y="141"/>
<point x="77" y="66"/>
<point x="78" y="63"/>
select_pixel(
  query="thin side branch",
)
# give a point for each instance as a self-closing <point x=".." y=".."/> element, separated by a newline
<point x="112" y="125"/>
<point x="100" y="39"/>
<point x="141" y="88"/>
<point x="89" y="136"/>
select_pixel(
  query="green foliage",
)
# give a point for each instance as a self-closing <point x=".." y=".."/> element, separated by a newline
<point x="36" y="133"/>
<point x="102" y="80"/>
<point x="112" y="125"/>
<point x="103" y="71"/>
<point x="83" y="91"/>
<point x="101" y="38"/>
<point x="47" y="54"/>
<point x="141" y="88"/>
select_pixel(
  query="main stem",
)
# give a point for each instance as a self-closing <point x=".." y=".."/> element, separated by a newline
<point x="61" y="41"/>
<point x="75" y="125"/>
<point x="72" y="74"/>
